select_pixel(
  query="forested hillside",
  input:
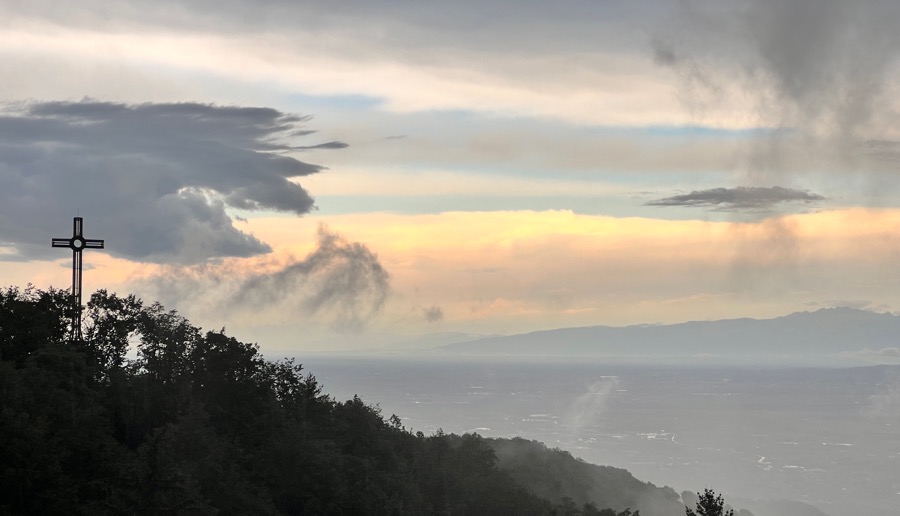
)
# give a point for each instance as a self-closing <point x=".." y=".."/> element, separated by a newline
<point x="557" y="475"/>
<point x="198" y="422"/>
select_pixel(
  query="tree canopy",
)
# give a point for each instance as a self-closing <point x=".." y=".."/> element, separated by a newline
<point x="709" y="504"/>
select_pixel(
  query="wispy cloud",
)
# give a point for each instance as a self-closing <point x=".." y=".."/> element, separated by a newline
<point x="339" y="281"/>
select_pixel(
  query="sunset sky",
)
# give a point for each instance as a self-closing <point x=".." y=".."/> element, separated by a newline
<point x="330" y="175"/>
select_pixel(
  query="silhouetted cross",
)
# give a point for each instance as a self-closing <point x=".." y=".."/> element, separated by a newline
<point x="77" y="244"/>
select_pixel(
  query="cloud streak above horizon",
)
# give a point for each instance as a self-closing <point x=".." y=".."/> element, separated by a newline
<point x="749" y="198"/>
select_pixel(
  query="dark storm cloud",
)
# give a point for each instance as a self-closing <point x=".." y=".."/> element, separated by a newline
<point x="340" y="281"/>
<point x="740" y="198"/>
<point x="152" y="179"/>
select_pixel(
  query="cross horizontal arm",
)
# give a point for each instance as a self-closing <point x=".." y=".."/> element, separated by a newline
<point x="93" y="244"/>
<point x="60" y="242"/>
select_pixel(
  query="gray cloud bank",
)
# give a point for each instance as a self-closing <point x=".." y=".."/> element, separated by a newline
<point x="152" y="179"/>
<point x="340" y="281"/>
<point x="741" y="198"/>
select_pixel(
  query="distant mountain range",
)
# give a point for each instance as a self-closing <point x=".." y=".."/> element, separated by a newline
<point x="834" y="333"/>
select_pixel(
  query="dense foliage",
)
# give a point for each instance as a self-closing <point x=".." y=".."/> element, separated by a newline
<point x="709" y="504"/>
<point x="150" y="415"/>
<point x="557" y="475"/>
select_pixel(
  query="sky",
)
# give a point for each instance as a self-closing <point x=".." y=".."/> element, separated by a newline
<point x="339" y="175"/>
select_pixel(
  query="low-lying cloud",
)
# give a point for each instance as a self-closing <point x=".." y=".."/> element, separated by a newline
<point x="339" y="277"/>
<point x="751" y="198"/>
<point x="154" y="180"/>
<point x="340" y="281"/>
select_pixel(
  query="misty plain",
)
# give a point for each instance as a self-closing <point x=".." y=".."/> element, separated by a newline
<point x="827" y="437"/>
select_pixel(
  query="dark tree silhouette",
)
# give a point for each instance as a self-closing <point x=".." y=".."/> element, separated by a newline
<point x="148" y="414"/>
<point x="709" y="504"/>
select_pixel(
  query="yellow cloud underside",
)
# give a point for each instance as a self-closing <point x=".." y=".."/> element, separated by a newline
<point x="555" y="267"/>
<point x="475" y="231"/>
<point x="523" y="270"/>
<point x="461" y="233"/>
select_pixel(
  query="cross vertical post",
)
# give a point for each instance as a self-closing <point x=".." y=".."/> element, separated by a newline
<point x="77" y="244"/>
